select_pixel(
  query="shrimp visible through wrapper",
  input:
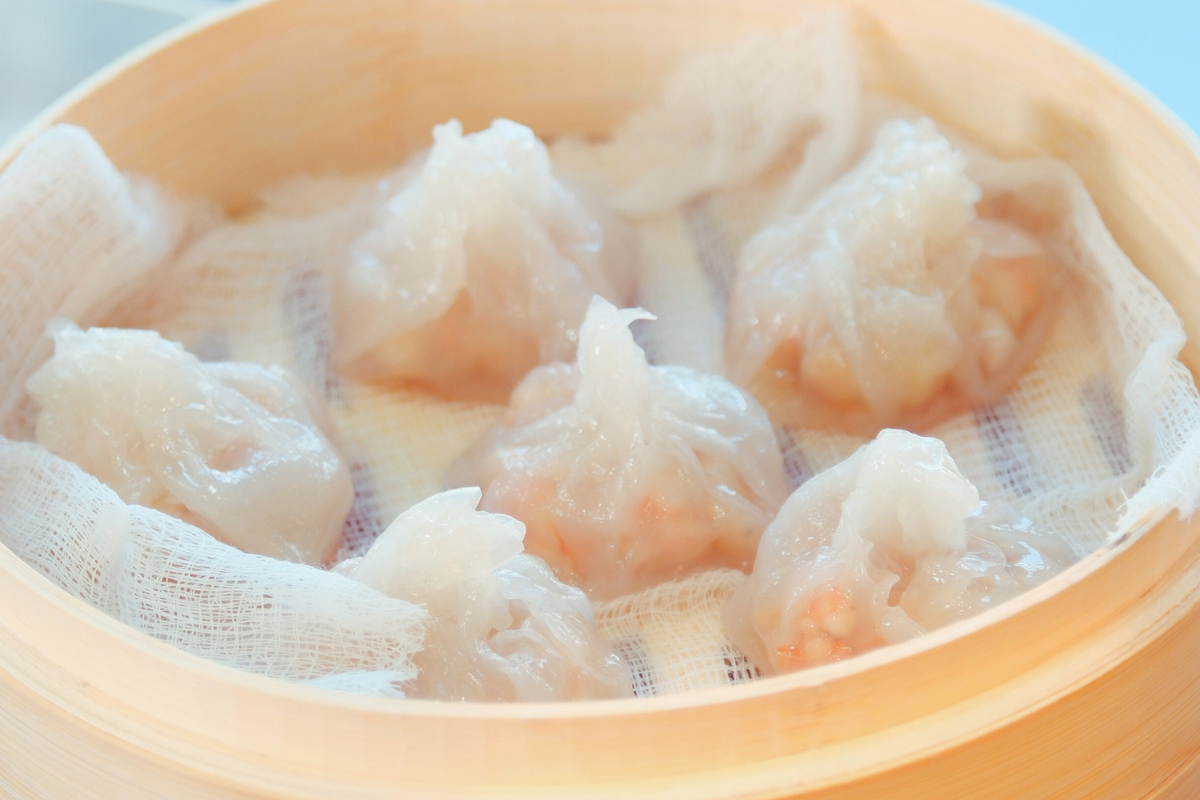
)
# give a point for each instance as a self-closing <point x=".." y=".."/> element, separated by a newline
<point x="477" y="270"/>
<point x="889" y="302"/>
<point x="821" y="632"/>
<point x="627" y="474"/>
<point x="887" y="545"/>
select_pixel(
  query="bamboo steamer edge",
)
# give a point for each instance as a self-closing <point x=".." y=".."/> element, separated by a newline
<point x="1089" y="686"/>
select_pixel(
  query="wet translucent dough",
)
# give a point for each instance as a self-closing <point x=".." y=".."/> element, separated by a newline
<point x="627" y="474"/>
<point x="891" y="543"/>
<point x="503" y="628"/>
<point x="233" y="448"/>
<point x="888" y="302"/>
<point x="478" y="270"/>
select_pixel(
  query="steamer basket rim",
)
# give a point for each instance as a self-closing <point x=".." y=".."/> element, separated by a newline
<point x="195" y="665"/>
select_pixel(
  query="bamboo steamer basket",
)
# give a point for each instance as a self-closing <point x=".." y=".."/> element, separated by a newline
<point x="1089" y="686"/>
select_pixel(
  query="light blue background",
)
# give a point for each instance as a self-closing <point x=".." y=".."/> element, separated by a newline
<point x="1155" y="42"/>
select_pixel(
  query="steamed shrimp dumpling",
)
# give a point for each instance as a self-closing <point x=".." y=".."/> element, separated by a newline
<point x="478" y="270"/>
<point x="889" y="544"/>
<point x="626" y="474"/>
<point x="502" y="627"/>
<point x="236" y="449"/>
<point x="888" y="302"/>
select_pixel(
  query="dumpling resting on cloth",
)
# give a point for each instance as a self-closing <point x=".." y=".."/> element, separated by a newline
<point x="891" y="543"/>
<point x="888" y="302"/>
<point x="240" y="450"/>
<point x="478" y="270"/>
<point x="503" y="628"/>
<point x="626" y="474"/>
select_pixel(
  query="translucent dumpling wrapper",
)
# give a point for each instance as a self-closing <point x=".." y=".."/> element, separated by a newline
<point x="889" y="301"/>
<point x="503" y="627"/>
<point x="737" y="137"/>
<point x="236" y="449"/>
<point x="889" y="544"/>
<point x="478" y="270"/>
<point x="787" y="101"/>
<point x="81" y="239"/>
<point x="626" y="474"/>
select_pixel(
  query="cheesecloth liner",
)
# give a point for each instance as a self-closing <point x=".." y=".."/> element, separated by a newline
<point x="84" y="232"/>
<point x="1099" y="437"/>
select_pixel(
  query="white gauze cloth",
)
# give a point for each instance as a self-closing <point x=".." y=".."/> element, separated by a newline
<point x="1099" y="436"/>
<point x="81" y="239"/>
<point x="176" y="583"/>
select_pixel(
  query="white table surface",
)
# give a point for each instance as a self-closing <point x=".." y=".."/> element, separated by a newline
<point x="47" y="46"/>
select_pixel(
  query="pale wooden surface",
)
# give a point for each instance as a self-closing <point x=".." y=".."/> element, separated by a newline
<point x="1087" y="687"/>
